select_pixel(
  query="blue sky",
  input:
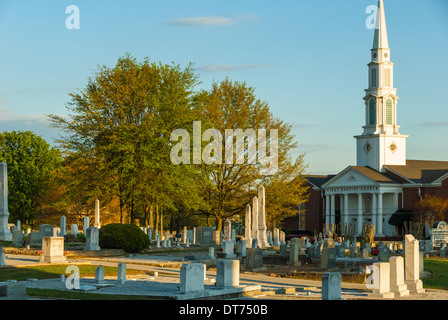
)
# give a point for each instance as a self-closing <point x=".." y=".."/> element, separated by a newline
<point x="307" y="59"/>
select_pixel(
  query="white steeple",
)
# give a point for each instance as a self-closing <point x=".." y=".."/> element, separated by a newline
<point x="380" y="37"/>
<point x="381" y="144"/>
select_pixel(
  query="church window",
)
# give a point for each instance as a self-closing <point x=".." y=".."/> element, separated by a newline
<point x="373" y="77"/>
<point x="389" y="111"/>
<point x="372" y="112"/>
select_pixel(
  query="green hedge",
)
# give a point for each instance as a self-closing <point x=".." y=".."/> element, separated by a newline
<point x="128" y="237"/>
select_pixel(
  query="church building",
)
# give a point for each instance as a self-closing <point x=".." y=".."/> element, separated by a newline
<point x="383" y="180"/>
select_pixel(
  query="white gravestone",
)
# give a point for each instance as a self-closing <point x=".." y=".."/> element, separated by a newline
<point x="381" y="283"/>
<point x="412" y="265"/>
<point x="248" y="226"/>
<point x="397" y="285"/>
<point x="262" y="235"/>
<point x="53" y="248"/>
<point x="191" y="277"/>
<point x="227" y="273"/>
<point x="97" y="223"/>
<point x="121" y="272"/>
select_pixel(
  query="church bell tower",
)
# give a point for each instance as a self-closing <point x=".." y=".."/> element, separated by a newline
<point x="380" y="143"/>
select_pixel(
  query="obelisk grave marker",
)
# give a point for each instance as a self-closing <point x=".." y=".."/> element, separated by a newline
<point x="5" y="234"/>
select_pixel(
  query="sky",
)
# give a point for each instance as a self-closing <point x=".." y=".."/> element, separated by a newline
<point x="306" y="59"/>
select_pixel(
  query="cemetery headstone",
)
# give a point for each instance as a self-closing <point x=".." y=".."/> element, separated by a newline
<point x="97" y="223"/>
<point x="228" y="249"/>
<point x="5" y="233"/>
<point x="294" y="251"/>
<point x="92" y="239"/>
<point x="227" y="235"/>
<point x="248" y="226"/>
<point x="53" y="248"/>
<point x="2" y="257"/>
<point x="86" y="224"/>
<point x="63" y="226"/>
<point x="254" y="258"/>
<point x="204" y="235"/>
<point x="331" y="286"/>
<point x="262" y="235"/>
<point x="412" y="265"/>
<point x="191" y="277"/>
<point x="46" y="230"/>
<point x="381" y="283"/>
<point x="276" y="237"/>
<point x="17" y="238"/>
<point x="397" y="285"/>
<point x="439" y="233"/>
<point x="227" y="273"/>
<point x="99" y="275"/>
<point x="74" y="229"/>
<point x="121" y="272"/>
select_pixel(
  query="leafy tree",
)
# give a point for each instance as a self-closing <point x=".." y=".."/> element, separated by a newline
<point x="117" y="138"/>
<point x="432" y="208"/>
<point x="32" y="163"/>
<point x="233" y="106"/>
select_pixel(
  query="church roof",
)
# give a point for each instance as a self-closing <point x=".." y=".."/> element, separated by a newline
<point x="319" y="180"/>
<point x="421" y="171"/>
<point x="374" y="175"/>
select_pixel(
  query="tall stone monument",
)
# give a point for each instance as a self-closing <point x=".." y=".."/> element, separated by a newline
<point x="262" y="235"/>
<point x="5" y="234"/>
<point x="97" y="223"/>
<point x="254" y="218"/>
<point x="248" y="227"/>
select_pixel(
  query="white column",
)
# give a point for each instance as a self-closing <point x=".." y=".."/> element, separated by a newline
<point x="379" y="221"/>
<point x="341" y="208"/>
<point x="327" y="209"/>
<point x="333" y="209"/>
<point x="359" y="219"/>
<point x="374" y="211"/>
<point x="395" y="208"/>
<point x="346" y="217"/>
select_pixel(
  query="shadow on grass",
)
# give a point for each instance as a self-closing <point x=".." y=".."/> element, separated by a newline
<point x="53" y="271"/>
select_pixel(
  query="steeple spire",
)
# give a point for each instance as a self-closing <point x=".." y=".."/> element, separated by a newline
<point x="380" y="38"/>
<point x="381" y="144"/>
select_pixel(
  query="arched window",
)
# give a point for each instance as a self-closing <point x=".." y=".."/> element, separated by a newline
<point x="372" y="112"/>
<point x="389" y="105"/>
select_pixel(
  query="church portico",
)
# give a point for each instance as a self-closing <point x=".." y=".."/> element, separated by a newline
<point x="363" y="205"/>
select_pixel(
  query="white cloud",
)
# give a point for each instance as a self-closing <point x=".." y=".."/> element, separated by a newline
<point x="212" y="21"/>
<point x="37" y="123"/>
<point x="227" y="67"/>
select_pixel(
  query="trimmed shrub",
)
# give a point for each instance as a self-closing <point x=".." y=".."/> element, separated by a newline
<point x="128" y="237"/>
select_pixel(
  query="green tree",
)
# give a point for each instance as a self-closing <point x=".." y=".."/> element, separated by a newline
<point x="233" y="105"/>
<point x="32" y="163"/>
<point x="118" y="136"/>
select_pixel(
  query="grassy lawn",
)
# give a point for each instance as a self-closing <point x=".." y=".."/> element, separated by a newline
<point x="57" y="294"/>
<point x="440" y="278"/>
<point x="51" y="272"/>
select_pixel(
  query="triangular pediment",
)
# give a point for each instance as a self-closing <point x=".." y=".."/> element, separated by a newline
<point x="349" y="177"/>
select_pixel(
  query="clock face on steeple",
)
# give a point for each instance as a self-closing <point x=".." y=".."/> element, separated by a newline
<point x="374" y="55"/>
<point x="386" y="55"/>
